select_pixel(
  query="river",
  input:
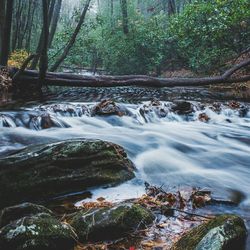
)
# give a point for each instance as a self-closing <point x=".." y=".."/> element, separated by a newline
<point x="170" y="149"/>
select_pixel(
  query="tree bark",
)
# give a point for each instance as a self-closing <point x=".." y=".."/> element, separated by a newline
<point x="54" y="21"/>
<point x="40" y="43"/>
<point x="171" y="7"/>
<point x="27" y="20"/>
<point x="30" y="26"/>
<point x="2" y="17"/>
<point x="72" y="39"/>
<point x="7" y="33"/>
<point x="124" y="7"/>
<point x="43" y="65"/>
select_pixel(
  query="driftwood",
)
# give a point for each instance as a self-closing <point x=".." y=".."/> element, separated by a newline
<point x="65" y="79"/>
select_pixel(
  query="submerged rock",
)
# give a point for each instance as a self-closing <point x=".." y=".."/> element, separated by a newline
<point x="39" y="232"/>
<point x="9" y="214"/>
<point x="59" y="168"/>
<point x="221" y="233"/>
<point x="110" y="223"/>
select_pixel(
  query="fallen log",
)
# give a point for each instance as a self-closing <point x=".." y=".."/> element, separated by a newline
<point x="71" y="80"/>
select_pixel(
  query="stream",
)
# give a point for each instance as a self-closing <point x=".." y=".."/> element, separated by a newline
<point x="167" y="148"/>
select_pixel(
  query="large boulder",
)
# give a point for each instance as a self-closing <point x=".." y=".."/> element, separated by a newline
<point x="224" y="232"/>
<point x="110" y="223"/>
<point x="38" y="232"/>
<point x="9" y="214"/>
<point x="58" y="168"/>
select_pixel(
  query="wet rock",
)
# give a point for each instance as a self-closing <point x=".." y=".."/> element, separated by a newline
<point x="216" y="107"/>
<point x="9" y="214"/>
<point x="243" y="111"/>
<point x="221" y="233"/>
<point x="66" y="109"/>
<point x="182" y="107"/>
<point x="39" y="232"/>
<point x="59" y="168"/>
<point x="203" y="117"/>
<point x="7" y="121"/>
<point x="45" y="121"/>
<point x="110" y="223"/>
<point x="155" y="107"/>
<point x="234" y="105"/>
<point x="241" y="108"/>
<point x="109" y="107"/>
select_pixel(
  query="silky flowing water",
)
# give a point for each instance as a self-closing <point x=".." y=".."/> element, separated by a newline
<point x="169" y="149"/>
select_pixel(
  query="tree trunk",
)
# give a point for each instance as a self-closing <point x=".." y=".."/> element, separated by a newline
<point x="171" y="7"/>
<point x="72" y="39"/>
<point x="112" y="13"/>
<point x="54" y="21"/>
<point x="2" y="16"/>
<point x="43" y="66"/>
<point x="30" y="26"/>
<point x="40" y="43"/>
<point x="63" y="79"/>
<point x="124" y="7"/>
<point x="7" y="33"/>
<point x="18" y="24"/>
<point x="26" y="21"/>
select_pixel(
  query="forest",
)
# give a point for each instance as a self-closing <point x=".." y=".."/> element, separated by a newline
<point x="124" y="124"/>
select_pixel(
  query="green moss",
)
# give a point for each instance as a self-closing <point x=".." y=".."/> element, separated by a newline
<point x="37" y="232"/>
<point x="59" y="168"/>
<point x="110" y="223"/>
<point x="191" y="239"/>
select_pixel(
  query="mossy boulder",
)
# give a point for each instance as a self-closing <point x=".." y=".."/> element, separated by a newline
<point x="39" y="232"/>
<point x="110" y="223"/>
<point x="59" y="168"/>
<point x="9" y="214"/>
<point x="224" y="232"/>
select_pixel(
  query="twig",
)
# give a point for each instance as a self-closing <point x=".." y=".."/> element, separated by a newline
<point x="192" y="214"/>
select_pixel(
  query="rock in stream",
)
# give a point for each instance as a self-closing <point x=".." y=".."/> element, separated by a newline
<point x="110" y="223"/>
<point x="59" y="168"/>
<point x="224" y="232"/>
<point x="36" y="231"/>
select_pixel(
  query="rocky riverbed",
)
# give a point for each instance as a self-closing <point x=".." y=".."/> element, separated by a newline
<point x="56" y="154"/>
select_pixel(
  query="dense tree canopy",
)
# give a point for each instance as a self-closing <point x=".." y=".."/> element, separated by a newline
<point x="129" y="36"/>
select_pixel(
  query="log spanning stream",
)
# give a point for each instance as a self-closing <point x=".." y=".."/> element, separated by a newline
<point x="201" y="144"/>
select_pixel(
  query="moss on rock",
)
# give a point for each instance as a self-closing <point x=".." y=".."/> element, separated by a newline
<point x="60" y="168"/>
<point x="39" y="232"/>
<point x="220" y="233"/>
<point x="13" y="213"/>
<point x="110" y="223"/>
